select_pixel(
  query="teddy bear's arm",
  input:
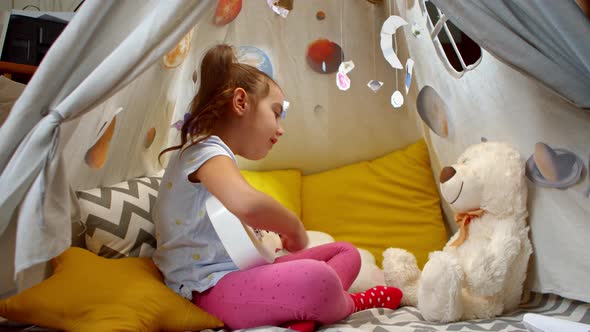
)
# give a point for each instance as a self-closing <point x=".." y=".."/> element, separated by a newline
<point x="487" y="273"/>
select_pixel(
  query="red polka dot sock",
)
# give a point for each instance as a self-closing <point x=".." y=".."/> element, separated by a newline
<point x="377" y="297"/>
<point x="300" y="326"/>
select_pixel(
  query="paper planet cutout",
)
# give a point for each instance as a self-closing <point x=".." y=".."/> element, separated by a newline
<point x="149" y="137"/>
<point x="433" y="111"/>
<point x="342" y="81"/>
<point x="388" y="29"/>
<point x="227" y="11"/>
<point x="96" y="156"/>
<point x="545" y="160"/>
<point x="397" y="99"/>
<point x="255" y="57"/>
<point x="555" y="168"/>
<point x="324" y="56"/>
<point x="177" y="55"/>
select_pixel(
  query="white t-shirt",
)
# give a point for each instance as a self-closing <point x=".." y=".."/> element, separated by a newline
<point x="189" y="252"/>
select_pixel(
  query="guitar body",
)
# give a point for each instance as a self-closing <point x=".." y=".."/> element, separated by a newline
<point x="246" y="247"/>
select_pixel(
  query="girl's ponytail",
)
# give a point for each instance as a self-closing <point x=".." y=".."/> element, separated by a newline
<point x="216" y="68"/>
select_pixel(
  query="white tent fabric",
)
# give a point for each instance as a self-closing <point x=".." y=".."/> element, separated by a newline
<point x="87" y="64"/>
<point x="499" y="103"/>
<point x="545" y="39"/>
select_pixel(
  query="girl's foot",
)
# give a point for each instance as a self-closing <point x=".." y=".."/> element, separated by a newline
<point x="300" y="326"/>
<point x="377" y="297"/>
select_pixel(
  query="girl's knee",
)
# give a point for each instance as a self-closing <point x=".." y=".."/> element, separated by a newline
<point x="322" y="297"/>
<point x="353" y="254"/>
<point x="320" y="280"/>
<point x="313" y="271"/>
<point x="348" y="247"/>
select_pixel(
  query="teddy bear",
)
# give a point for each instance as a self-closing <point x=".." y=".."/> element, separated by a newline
<point x="370" y="275"/>
<point x="481" y="270"/>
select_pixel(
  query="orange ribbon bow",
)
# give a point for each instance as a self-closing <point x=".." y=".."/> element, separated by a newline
<point x="463" y="219"/>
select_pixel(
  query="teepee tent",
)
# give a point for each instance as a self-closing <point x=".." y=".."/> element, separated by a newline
<point x="110" y="93"/>
<point x="103" y="61"/>
<point x="66" y="88"/>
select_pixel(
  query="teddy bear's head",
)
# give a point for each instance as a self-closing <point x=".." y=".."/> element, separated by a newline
<point x="489" y="176"/>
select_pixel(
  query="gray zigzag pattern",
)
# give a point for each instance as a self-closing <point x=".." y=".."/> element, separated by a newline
<point x="133" y="190"/>
<point x="108" y="252"/>
<point x="128" y="209"/>
<point x="104" y="199"/>
<point x="374" y="319"/>
<point x="93" y="222"/>
<point x="409" y="317"/>
<point x="143" y="237"/>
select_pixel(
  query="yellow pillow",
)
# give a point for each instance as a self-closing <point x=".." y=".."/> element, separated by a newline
<point x="282" y="185"/>
<point x="88" y="293"/>
<point x="389" y="202"/>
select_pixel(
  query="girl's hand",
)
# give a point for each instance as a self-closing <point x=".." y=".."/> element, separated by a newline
<point x="295" y="242"/>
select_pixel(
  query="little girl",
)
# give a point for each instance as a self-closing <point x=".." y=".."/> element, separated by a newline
<point x="237" y="112"/>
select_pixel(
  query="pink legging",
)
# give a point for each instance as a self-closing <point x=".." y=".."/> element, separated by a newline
<point x="310" y="284"/>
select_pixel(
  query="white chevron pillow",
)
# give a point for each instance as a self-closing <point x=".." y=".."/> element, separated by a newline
<point x="118" y="218"/>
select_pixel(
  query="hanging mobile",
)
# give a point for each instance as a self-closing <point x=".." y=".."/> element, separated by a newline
<point x="342" y="79"/>
<point x="397" y="99"/>
<point x="374" y="85"/>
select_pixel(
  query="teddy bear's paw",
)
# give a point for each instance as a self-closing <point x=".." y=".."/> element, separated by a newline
<point x="401" y="271"/>
<point x="400" y="268"/>
<point x="439" y="295"/>
<point x="481" y="307"/>
<point x="370" y="274"/>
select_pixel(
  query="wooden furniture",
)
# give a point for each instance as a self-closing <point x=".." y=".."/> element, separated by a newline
<point x="17" y="72"/>
<point x="584" y="6"/>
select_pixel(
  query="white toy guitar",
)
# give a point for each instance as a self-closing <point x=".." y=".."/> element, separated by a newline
<point x="246" y="247"/>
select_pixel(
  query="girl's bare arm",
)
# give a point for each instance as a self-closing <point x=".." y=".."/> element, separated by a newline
<point x="223" y="179"/>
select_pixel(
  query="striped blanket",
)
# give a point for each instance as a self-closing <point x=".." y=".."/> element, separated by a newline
<point x="408" y="319"/>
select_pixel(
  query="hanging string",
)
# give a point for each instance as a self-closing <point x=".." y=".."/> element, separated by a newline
<point x="374" y="62"/>
<point x="389" y="5"/>
<point x="394" y="43"/>
<point x="395" y="50"/>
<point x="341" y="31"/>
